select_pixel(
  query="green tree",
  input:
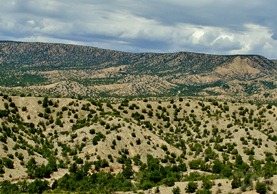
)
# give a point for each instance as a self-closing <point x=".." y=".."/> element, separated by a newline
<point x="59" y="122"/>
<point x="73" y="167"/>
<point x="146" y="184"/>
<point x="169" y="181"/>
<point x="31" y="167"/>
<point x="45" y="102"/>
<point x="191" y="187"/>
<point x="8" y="187"/>
<point x="7" y="162"/>
<point x="52" y="164"/>
<point x="239" y="160"/>
<point x="217" y="167"/>
<point x="38" y="186"/>
<point x="176" y="190"/>
<point x="227" y="171"/>
<point x="2" y="171"/>
<point x="207" y="184"/>
<point x="236" y="183"/>
<point x="261" y="188"/>
<point x="127" y="169"/>
<point x="42" y="171"/>
<point x="54" y="185"/>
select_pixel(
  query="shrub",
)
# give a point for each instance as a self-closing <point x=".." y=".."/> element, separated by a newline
<point x="38" y="186"/>
<point x="97" y="138"/>
<point x="227" y="171"/>
<point x="7" y="162"/>
<point x="191" y="187"/>
<point x="164" y="147"/>
<point x="73" y="167"/>
<point x="101" y="164"/>
<point x="137" y="116"/>
<point x="2" y="171"/>
<point x="47" y="110"/>
<point x="229" y="125"/>
<point x="176" y="190"/>
<point x="12" y="104"/>
<point x="59" y="122"/>
<point x="236" y="183"/>
<point x="196" y="164"/>
<point x="138" y="141"/>
<point x="64" y="108"/>
<point x="92" y="131"/>
<point x="261" y="188"/>
<point x="137" y="160"/>
<point x="4" y="113"/>
<point x="169" y="181"/>
<point x="146" y="185"/>
<point x="45" y="102"/>
<point x="207" y="184"/>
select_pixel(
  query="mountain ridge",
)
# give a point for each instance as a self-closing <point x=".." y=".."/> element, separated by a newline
<point x="40" y="64"/>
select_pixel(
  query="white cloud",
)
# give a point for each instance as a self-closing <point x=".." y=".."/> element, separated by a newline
<point x="254" y="39"/>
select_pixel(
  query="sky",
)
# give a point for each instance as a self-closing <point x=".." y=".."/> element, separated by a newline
<point x="205" y="26"/>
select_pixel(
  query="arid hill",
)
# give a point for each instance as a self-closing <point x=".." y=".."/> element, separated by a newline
<point x="146" y="145"/>
<point x="69" y="70"/>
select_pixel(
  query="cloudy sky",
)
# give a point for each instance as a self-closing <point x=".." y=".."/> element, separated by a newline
<point x="209" y="26"/>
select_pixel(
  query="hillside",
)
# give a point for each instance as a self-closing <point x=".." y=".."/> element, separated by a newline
<point x="136" y="145"/>
<point x="70" y="70"/>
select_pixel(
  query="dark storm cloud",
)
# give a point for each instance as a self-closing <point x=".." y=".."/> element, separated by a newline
<point x="211" y="26"/>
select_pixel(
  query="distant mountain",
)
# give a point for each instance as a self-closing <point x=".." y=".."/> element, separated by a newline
<point x="70" y="70"/>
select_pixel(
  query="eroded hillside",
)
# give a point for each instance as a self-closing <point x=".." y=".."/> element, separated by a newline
<point x="90" y="145"/>
<point x="70" y="71"/>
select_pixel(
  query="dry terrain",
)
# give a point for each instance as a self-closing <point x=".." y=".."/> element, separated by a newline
<point x="62" y="70"/>
<point x="221" y="141"/>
